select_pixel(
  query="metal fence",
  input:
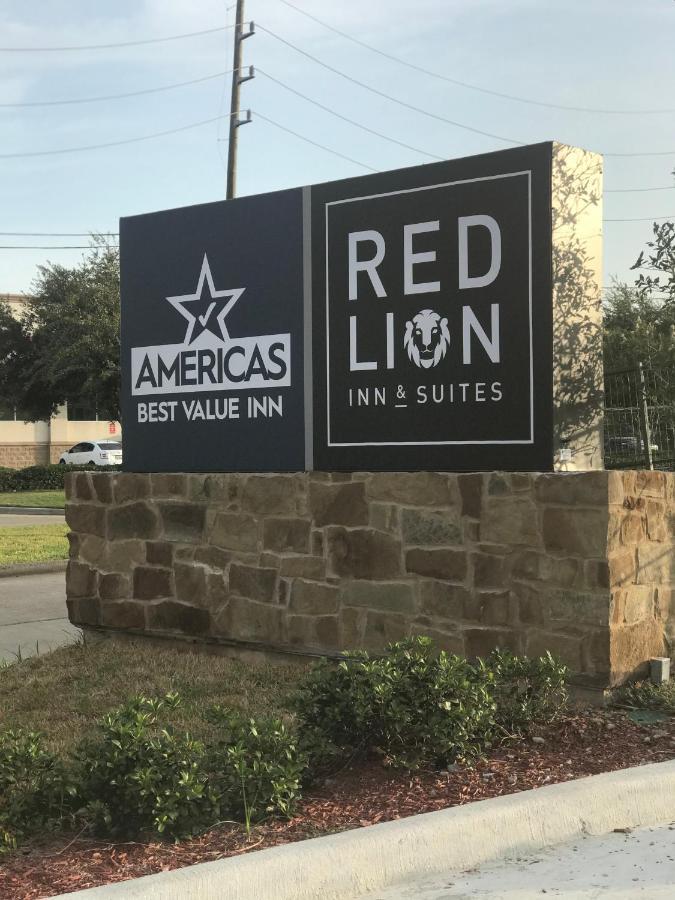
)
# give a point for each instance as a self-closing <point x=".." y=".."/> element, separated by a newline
<point x="640" y="418"/>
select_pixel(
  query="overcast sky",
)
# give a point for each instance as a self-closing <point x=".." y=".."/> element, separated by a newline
<point x="604" y="54"/>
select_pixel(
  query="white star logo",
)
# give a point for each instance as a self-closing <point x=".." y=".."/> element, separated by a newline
<point x="198" y="309"/>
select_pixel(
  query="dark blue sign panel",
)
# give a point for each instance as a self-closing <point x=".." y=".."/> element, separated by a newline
<point x="432" y="316"/>
<point x="212" y="336"/>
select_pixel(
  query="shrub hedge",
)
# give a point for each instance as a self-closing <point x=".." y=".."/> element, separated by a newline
<point x="43" y="478"/>
<point x="136" y="775"/>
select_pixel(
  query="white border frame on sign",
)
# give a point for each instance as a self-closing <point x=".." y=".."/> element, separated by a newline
<point x="429" y="187"/>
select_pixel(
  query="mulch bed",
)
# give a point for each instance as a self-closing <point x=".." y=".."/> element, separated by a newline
<point x="361" y="795"/>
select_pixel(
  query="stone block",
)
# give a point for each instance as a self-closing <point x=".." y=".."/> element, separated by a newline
<point x="615" y="488"/>
<point x="633" y="604"/>
<point x="654" y="564"/>
<point x="565" y="647"/>
<point x="123" y="614"/>
<point x="471" y="491"/>
<point x="442" y="600"/>
<point x="531" y="603"/>
<point x="313" y="632"/>
<point x="74" y="545"/>
<point x="578" y="531"/>
<point x="318" y="544"/>
<point x="213" y="557"/>
<point x="286" y="535"/>
<point x="102" y="483"/>
<point x="252" y="582"/>
<point x="498" y="484"/>
<point x="234" y="531"/>
<point x="83" y="487"/>
<point x="170" y="615"/>
<point x="422" y="527"/>
<point x="114" y="586"/>
<point x="622" y="568"/>
<point x="190" y="582"/>
<point x="92" y="549"/>
<point x="363" y="553"/>
<point x="351" y="626"/>
<point x="650" y="484"/>
<point x="488" y="608"/>
<point x="510" y="520"/>
<point x="596" y="573"/>
<point x="81" y="580"/>
<point x="84" y="610"/>
<point x="86" y="518"/>
<point x="480" y="642"/>
<point x="490" y="570"/>
<point x="338" y="504"/>
<point x="656" y="521"/>
<point x="632" y="646"/>
<point x="450" y="565"/>
<point x="246" y="620"/>
<point x="216" y="590"/>
<point x="312" y="567"/>
<point x="398" y="597"/>
<point x="433" y="489"/>
<point x="272" y="495"/>
<point x="159" y="553"/>
<point x="385" y="517"/>
<point x="383" y="628"/>
<point x="632" y="528"/>
<point x="221" y="488"/>
<point x="313" y="598"/>
<point x="578" y="607"/>
<point x="135" y="520"/>
<point x="169" y="484"/>
<point x="130" y="486"/>
<point x="182" y="521"/>
<point x="522" y="481"/>
<point x="151" y="582"/>
<point x="573" y="488"/>
<point x="120" y="556"/>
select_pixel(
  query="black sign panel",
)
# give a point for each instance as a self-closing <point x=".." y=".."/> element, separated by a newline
<point x="212" y="337"/>
<point x="432" y="316"/>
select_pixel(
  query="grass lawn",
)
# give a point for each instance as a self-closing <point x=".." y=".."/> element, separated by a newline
<point x="32" y="543"/>
<point x="62" y="693"/>
<point x="50" y="499"/>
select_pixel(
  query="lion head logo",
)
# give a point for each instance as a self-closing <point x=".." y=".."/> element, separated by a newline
<point x="426" y="338"/>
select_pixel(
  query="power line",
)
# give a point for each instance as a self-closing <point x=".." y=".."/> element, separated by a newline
<point x="303" y="137"/>
<point x="378" y="93"/>
<point x="161" y="40"/>
<point x="338" y="115"/>
<point x="134" y="140"/>
<point x="166" y="87"/>
<point x="467" y="85"/>
<point x="666" y="187"/>
<point x="643" y="219"/>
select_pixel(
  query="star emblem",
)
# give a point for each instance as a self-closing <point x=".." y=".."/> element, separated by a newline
<point x="206" y="310"/>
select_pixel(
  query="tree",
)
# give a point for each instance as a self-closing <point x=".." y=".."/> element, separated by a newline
<point x="660" y="258"/>
<point x="638" y="327"/>
<point x="65" y="346"/>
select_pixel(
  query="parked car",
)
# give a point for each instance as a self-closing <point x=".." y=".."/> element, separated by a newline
<point x="100" y="453"/>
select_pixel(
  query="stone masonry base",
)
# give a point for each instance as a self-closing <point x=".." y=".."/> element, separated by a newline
<point x="575" y="563"/>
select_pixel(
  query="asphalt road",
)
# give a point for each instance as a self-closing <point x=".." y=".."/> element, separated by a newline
<point x="618" y="866"/>
<point x="33" y="617"/>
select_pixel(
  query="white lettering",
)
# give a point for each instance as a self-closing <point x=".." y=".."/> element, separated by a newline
<point x="369" y="266"/>
<point x="411" y="259"/>
<point x="470" y="323"/>
<point x="463" y="225"/>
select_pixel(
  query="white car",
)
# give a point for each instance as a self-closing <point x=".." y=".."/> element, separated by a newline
<point x="100" y="453"/>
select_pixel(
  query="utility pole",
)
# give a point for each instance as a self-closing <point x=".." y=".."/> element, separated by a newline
<point x="237" y="80"/>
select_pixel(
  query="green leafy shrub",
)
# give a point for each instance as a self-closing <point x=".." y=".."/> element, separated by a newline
<point x="415" y="706"/>
<point x="646" y="695"/>
<point x="36" y="791"/>
<point x="43" y="478"/>
<point x="412" y="705"/>
<point x="526" y="691"/>
<point x="138" y="775"/>
<point x="256" y="764"/>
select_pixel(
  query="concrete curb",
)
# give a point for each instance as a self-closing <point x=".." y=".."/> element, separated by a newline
<point x="32" y="511"/>
<point x="57" y="565"/>
<point x="347" y="865"/>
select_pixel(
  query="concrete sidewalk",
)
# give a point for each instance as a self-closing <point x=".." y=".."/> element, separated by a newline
<point x="640" y="863"/>
<point x="33" y="615"/>
<point x="11" y="520"/>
